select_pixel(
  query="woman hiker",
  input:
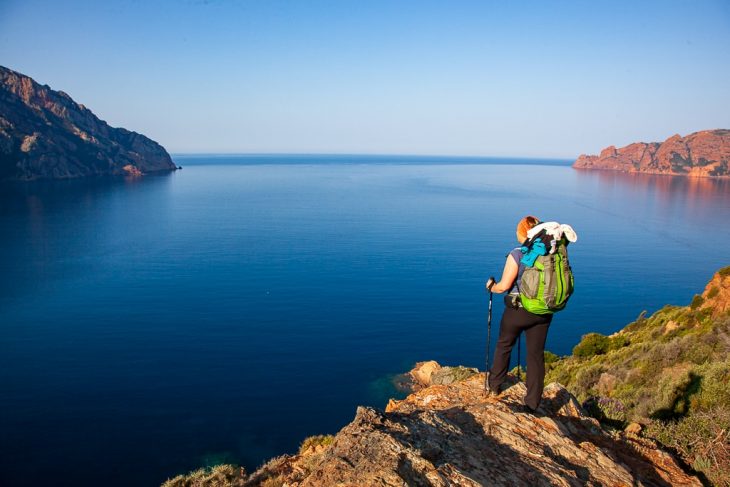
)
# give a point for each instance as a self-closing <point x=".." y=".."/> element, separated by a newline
<point x="515" y="320"/>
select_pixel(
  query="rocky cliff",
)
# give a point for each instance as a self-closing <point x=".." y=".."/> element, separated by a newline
<point x="705" y="153"/>
<point x="44" y="134"/>
<point x="451" y="434"/>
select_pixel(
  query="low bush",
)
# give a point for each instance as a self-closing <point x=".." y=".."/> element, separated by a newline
<point x="550" y="357"/>
<point x="697" y="301"/>
<point x="618" y="341"/>
<point x="218" y="476"/>
<point x="701" y="439"/>
<point x="315" y="441"/>
<point x="586" y="379"/>
<point x="592" y="344"/>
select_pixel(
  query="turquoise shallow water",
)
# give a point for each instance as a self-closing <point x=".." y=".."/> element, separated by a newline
<point x="228" y="310"/>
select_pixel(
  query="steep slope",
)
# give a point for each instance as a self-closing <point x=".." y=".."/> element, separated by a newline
<point x="669" y="373"/>
<point x="705" y="153"/>
<point x="44" y="134"/>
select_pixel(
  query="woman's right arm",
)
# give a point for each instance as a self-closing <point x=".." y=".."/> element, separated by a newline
<point x="509" y="274"/>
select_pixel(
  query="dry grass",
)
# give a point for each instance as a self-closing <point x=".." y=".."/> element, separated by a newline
<point x="217" y="476"/>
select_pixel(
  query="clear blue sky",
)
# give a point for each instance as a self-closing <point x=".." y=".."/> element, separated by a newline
<point x="548" y="78"/>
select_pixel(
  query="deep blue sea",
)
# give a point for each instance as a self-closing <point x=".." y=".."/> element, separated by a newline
<point x="227" y="311"/>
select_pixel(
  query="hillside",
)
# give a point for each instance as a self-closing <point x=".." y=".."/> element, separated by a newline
<point x="668" y="374"/>
<point x="705" y="154"/>
<point x="44" y="134"/>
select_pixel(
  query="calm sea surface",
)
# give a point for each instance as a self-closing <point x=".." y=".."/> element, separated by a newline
<point x="229" y="310"/>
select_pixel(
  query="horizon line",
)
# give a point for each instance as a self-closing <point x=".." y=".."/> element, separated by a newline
<point x="364" y="154"/>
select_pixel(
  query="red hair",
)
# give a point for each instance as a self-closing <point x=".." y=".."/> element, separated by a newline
<point x="525" y="225"/>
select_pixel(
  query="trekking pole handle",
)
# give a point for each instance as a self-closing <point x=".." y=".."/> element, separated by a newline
<point x="490" y="283"/>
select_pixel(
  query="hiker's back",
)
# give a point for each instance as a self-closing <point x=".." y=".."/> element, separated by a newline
<point x="547" y="280"/>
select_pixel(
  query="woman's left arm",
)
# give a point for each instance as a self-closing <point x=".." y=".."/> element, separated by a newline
<point x="509" y="274"/>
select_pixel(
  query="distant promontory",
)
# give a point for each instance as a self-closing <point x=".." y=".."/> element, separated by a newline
<point x="44" y="134"/>
<point x="701" y="154"/>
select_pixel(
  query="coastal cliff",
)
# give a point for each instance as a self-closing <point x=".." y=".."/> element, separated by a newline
<point x="453" y="434"/>
<point x="44" y="134"/>
<point x="701" y="154"/>
<point x="647" y="406"/>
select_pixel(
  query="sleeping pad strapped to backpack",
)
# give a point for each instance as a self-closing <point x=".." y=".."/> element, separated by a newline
<point x="547" y="281"/>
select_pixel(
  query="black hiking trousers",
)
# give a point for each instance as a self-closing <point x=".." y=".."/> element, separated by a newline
<point x="514" y="322"/>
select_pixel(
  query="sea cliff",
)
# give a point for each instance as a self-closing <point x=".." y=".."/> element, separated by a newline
<point x="701" y="154"/>
<point x="44" y="134"/>
<point x="648" y="405"/>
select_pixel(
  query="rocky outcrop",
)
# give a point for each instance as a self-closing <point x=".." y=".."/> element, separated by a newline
<point x="703" y="154"/>
<point x="426" y="374"/>
<point x="716" y="297"/>
<point x="447" y="435"/>
<point x="44" y="134"/>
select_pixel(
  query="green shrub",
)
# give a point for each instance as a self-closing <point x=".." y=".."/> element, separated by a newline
<point x="714" y="291"/>
<point x="550" y="357"/>
<point x="592" y="344"/>
<point x="315" y="441"/>
<point x="697" y="301"/>
<point x="714" y="391"/>
<point x="673" y="393"/>
<point x="725" y="271"/>
<point x="586" y="379"/>
<point x="618" y="341"/>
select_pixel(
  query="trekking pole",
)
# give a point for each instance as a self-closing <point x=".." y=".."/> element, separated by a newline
<point x="489" y="341"/>
<point x="519" y="346"/>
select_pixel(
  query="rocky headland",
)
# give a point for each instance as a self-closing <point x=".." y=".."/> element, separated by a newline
<point x="646" y="406"/>
<point x="44" y="134"/>
<point x="454" y="434"/>
<point x="701" y="154"/>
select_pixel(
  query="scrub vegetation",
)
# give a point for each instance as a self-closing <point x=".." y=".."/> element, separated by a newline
<point x="670" y="373"/>
<point x="220" y="476"/>
<point x="268" y="475"/>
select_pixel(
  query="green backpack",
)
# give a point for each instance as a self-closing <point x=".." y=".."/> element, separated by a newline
<point x="546" y="285"/>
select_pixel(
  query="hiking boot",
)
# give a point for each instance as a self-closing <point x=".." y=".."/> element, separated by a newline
<point x="495" y="391"/>
<point x="525" y="409"/>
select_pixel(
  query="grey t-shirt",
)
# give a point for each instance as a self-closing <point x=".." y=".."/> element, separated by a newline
<point x="516" y="254"/>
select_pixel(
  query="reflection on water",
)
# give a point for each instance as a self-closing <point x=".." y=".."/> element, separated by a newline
<point x="673" y="201"/>
<point x="52" y="222"/>
<point x="663" y="186"/>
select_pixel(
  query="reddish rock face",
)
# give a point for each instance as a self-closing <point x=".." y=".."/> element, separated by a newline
<point x="703" y="154"/>
<point x="44" y="134"/>
<point x="717" y="294"/>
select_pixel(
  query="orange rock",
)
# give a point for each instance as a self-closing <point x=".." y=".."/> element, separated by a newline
<point x="448" y="435"/>
<point x="717" y="293"/>
<point x="701" y="154"/>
